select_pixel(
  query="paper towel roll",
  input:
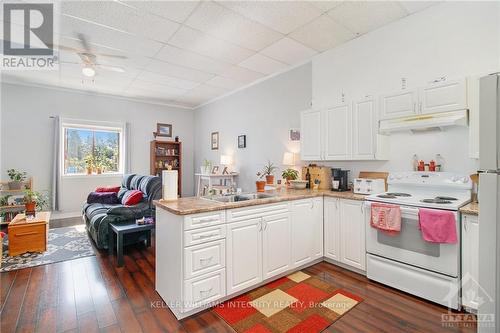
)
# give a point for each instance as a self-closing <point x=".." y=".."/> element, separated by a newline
<point x="169" y="181"/>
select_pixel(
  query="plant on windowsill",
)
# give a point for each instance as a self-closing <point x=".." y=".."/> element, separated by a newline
<point x="16" y="179"/>
<point x="89" y="164"/>
<point x="34" y="200"/>
<point x="206" y="168"/>
<point x="289" y="174"/>
<point x="268" y="171"/>
<point x="261" y="184"/>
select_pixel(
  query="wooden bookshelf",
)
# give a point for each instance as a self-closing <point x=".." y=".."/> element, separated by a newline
<point x="11" y="211"/>
<point x="165" y="153"/>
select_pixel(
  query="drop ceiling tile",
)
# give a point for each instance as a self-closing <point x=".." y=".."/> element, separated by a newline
<point x="161" y="90"/>
<point x="289" y="51"/>
<point x="322" y="34"/>
<point x="103" y="36"/>
<point x="262" y="64"/>
<point x="282" y="16"/>
<point x="416" y="6"/>
<point x="225" y="24"/>
<point x="363" y="16"/>
<point x="325" y="5"/>
<point x="241" y="74"/>
<point x="224" y="82"/>
<point x="186" y="58"/>
<point x="177" y="11"/>
<point x="202" y="94"/>
<point x="118" y="16"/>
<point x="184" y="73"/>
<point x="196" y="41"/>
<point x="166" y="80"/>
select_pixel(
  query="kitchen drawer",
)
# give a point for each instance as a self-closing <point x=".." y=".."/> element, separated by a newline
<point x="234" y="215"/>
<point x="204" y="220"/>
<point x="203" y="235"/>
<point x="204" y="289"/>
<point x="204" y="258"/>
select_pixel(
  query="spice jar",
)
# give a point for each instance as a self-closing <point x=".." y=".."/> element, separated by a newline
<point x="432" y="165"/>
<point x="421" y="165"/>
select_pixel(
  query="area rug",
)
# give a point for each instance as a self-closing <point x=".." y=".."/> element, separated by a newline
<point x="63" y="244"/>
<point x="296" y="303"/>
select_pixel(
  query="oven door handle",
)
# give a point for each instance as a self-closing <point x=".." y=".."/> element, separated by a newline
<point x="409" y="211"/>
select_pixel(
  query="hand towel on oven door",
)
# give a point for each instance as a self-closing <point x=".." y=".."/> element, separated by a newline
<point x="437" y="226"/>
<point x="386" y="218"/>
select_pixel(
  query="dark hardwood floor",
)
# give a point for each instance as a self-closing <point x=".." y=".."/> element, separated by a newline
<point x="93" y="295"/>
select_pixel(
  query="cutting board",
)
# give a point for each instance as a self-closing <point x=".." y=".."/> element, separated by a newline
<point x="374" y="175"/>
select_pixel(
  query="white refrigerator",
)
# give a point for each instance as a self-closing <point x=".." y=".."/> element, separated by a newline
<point x="489" y="202"/>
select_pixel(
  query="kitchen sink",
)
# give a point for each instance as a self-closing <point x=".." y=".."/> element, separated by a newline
<point x="240" y="197"/>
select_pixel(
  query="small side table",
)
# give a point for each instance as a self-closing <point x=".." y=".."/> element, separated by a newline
<point x="122" y="228"/>
<point x="28" y="234"/>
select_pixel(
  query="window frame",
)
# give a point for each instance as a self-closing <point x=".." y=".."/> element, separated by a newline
<point x="93" y="126"/>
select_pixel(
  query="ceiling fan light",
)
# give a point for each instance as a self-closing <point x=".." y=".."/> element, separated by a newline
<point x="88" y="71"/>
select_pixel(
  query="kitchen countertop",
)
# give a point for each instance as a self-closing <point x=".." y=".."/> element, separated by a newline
<point x="470" y="208"/>
<point x="194" y="205"/>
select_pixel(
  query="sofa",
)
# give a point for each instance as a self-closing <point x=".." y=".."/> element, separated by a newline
<point x="97" y="216"/>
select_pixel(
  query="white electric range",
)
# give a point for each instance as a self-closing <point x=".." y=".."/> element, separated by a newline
<point x="406" y="261"/>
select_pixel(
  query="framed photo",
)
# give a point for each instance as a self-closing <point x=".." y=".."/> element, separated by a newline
<point x="164" y="130"/>
<point x="215" y="140"/>
<point x="294" y="134"/>
<point x="215" y="169"/>
<point x="242" y="141"/>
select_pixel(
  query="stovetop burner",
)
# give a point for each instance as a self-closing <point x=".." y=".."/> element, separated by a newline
<point x="436" y="200"/>
<point x="446" y="198"/>
<point x="386" y="196"/>
<point x="399" y="194"/>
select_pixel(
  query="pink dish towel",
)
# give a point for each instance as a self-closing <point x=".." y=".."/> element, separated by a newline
<point x="437" y="226"/>
<point x="386" y="218"/>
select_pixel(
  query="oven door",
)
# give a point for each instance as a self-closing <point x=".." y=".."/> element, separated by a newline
<point x="410" y="248"/>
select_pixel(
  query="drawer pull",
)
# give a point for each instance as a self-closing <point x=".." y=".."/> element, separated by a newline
<point x="204" y="261"/>
<point x="206" y="220"/>
<point x="206" y="293"/>
<point x="206" y="236"/>
<point x="27" y="233"/>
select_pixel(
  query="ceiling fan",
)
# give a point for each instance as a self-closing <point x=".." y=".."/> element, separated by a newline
<point x="89" y="59"/>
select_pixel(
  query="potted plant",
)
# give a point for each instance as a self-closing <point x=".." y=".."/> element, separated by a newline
<point x="89" y="164"/>
<point x="206" y="168"/>
<point x="16" y="179"/>
<point x="289" y="174"/>
<point x="261" y="184"/>
<point x="34" y="200"/>
<point x="268" y="171"/>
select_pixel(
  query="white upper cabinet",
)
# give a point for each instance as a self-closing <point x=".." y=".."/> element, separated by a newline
<point x="363" y="129"/>
<point x="442" y="96"/>
<point x="337" y="130"/>
<point x="399" y="104"/>
<point x="310" y="129"/>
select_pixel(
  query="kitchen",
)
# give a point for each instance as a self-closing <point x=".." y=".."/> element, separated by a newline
<point x="355" y="89"/>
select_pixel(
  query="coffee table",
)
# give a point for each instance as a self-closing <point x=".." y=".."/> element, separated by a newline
<point x="28" y="234"/>
<point x="122" y="228"/>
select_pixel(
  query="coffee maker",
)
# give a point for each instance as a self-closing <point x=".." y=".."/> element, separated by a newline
<point x="340" y="180"/>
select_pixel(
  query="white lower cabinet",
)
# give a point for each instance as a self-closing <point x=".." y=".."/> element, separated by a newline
<point x="470" y="261"/>
<point x="307" y="230"/>
<point x="258" y="245"/>
<point x="345" y="232"/>
<point x="244" y="254"/>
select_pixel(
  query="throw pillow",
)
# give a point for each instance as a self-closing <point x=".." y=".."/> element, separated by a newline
<point x="132" y="197"/>
<point x="113" y="189"/>
<point x="107" y="198"/>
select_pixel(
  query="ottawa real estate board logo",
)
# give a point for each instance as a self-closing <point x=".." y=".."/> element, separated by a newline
<point x="28" y="37"/>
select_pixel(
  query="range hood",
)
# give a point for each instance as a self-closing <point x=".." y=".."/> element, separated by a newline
<point x="425" y="122"/>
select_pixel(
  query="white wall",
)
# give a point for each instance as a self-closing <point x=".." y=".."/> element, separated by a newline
<point x="451" y="39"/>
<point x="27" y="134"/>
<point x="264" y="113"/>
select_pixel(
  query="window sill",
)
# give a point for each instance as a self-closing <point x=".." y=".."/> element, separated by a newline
<point x="103" y="175"/>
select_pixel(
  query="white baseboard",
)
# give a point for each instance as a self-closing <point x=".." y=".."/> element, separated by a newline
<point x="64" y="215"/>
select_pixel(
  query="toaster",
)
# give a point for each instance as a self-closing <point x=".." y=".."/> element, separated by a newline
<point x="368" y="186"/>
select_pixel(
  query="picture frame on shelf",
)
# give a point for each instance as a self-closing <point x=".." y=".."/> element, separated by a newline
<point x="215" y="170"/>
<point x="214" y="140"/>
<point x="163" y="130"/>
<point x="242" y="141"/>
<point x="294" y="134"/>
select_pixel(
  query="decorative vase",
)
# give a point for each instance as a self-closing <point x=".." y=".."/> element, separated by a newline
<point x="261" y="185"/>
<point x="269" y="179"/>
<point x="15" y="185"/>
<point x="99" y="171"/>
<point x="89" y="170"/>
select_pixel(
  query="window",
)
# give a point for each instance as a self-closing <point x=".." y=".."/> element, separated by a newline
<point x="92" y="149"/>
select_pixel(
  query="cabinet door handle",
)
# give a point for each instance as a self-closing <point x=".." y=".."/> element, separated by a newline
<point x="265" y="225"/>
<point x="414" y="107"/>
<point x="465" y="223"/>
<point x="312" y="204"/>
<point x="337" y="203"/>
<point x="260" y="223"/>
<point x="420" y="106"/>
<point x="362" y="208"/>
